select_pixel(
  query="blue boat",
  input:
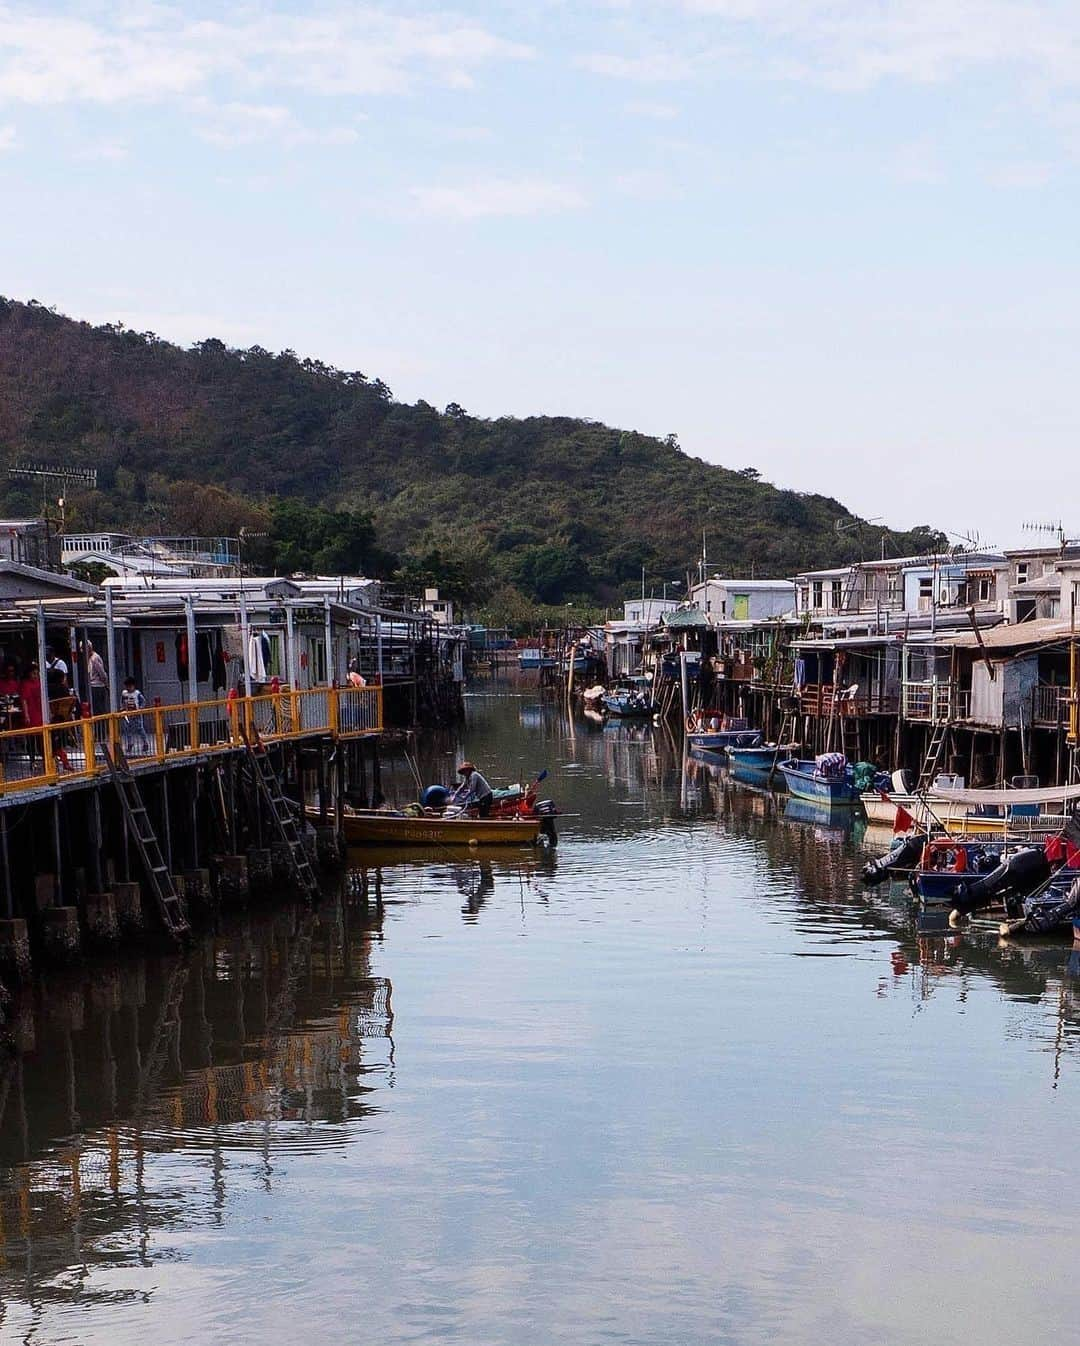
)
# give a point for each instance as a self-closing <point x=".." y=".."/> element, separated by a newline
<point x="724" y="740"/>
<point x="629" y="704"/>
<point x="763" y="758"/>
<point x="807" y="780"/>
<point x="718" y="732"/>
<point x="534" y="658"/>
<point x="948" y="864"/>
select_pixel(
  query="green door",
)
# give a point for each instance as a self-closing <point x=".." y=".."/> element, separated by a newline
<point x="742" y="607"/>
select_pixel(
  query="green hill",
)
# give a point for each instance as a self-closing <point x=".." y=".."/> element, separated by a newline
<point x="341" y="476"/>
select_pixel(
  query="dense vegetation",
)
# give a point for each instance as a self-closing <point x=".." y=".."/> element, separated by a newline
<point x="337" y="476"/>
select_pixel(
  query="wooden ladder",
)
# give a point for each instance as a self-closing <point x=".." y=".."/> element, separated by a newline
<point x="934" y="750"/>
<point x="849" y="737"/>
<point x="169" y="902"/>
<point x="282" y="816"/>
<point x="787" y="727"/>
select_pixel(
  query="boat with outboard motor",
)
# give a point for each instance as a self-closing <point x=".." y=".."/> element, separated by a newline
<point x="969" y="874"/>
<point x="827" y="778"/>
<point x="402" y="827"/>
<point x="516" y="818"/>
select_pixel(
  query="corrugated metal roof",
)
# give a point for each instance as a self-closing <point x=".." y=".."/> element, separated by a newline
<point x="685" y="617"/>
<point x="1017" y="635"/>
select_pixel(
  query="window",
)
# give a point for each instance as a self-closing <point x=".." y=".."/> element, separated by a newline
<point x="926" y="593"/>
<point x="892" y="586"/>
<point x="1021" y="572"/>
<point x="985" y="589"/>
<point x="818" y="588"/>
<point x="838" y="593"/>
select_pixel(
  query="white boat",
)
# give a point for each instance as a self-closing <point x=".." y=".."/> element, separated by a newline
<point x="1018" y="812"/>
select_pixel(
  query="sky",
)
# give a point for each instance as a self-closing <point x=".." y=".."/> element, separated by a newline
<point x="834" y="240"/>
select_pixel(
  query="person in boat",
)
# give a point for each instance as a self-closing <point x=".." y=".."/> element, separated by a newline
<point x="474" y="792"/>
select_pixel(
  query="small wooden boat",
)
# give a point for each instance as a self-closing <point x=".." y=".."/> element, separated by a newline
<point x="383" y="827"/>
<point x="718" y="732"/>
<point x="808" y="780"/>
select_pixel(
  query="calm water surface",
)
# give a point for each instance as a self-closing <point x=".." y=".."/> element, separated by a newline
<point x="678" y="1081"/>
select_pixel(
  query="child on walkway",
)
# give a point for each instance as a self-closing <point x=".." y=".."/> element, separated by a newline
<point x="133" y="727"/>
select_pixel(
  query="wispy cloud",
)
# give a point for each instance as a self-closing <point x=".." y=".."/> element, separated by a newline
<point x="648" y="67"/>
<point x="233" y="124"/>
<point x="498" y="197"/>
<point x="156" y="54"/>
<point x="853" y="43"/>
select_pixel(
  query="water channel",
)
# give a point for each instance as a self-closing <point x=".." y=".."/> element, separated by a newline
<point x="679" y="1080"/>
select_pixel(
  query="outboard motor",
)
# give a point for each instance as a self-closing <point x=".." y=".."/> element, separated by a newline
<point x="1018" y="874"/>
<point x="1045" y="918"/>
<point x="547" y="812"/>
<point x="902" y="854"/>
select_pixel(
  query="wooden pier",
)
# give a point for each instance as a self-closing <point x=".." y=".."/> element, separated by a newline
<point x="131" y="826"/>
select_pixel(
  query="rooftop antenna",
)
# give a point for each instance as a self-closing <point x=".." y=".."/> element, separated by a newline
<point x="55" y="474"/>
<point x="1054" y="526"/>
<point x="846" y="525"/>
<point x="59" y="476"/>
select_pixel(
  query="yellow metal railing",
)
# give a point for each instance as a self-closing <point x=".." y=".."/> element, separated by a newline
<point x="37" y="756"/>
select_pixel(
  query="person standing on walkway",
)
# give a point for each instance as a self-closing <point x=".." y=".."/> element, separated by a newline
<point x="99" y="681"/>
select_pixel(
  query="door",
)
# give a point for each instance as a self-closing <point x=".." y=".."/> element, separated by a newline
<point x="741" y="612"/>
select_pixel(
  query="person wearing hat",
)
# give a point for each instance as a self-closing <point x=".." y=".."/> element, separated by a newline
<point x="474" y="792"/>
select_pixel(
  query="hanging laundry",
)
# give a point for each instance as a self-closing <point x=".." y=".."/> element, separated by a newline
<point x="182" y="657"/>
<point x="220" y="664"/>
<point x="256" y="658"/>
<point x="204" y="656"/>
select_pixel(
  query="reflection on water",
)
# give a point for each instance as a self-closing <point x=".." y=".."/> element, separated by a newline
<point x="680" y="1079"/>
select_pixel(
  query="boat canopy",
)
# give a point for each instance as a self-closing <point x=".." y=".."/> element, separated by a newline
<point x="1062" y="794"/>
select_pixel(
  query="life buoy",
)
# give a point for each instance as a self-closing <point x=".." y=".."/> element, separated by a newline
<point x="960" y="860"/>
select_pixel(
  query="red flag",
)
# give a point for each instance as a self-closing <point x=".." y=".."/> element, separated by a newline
<point x="904" y="822"/>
